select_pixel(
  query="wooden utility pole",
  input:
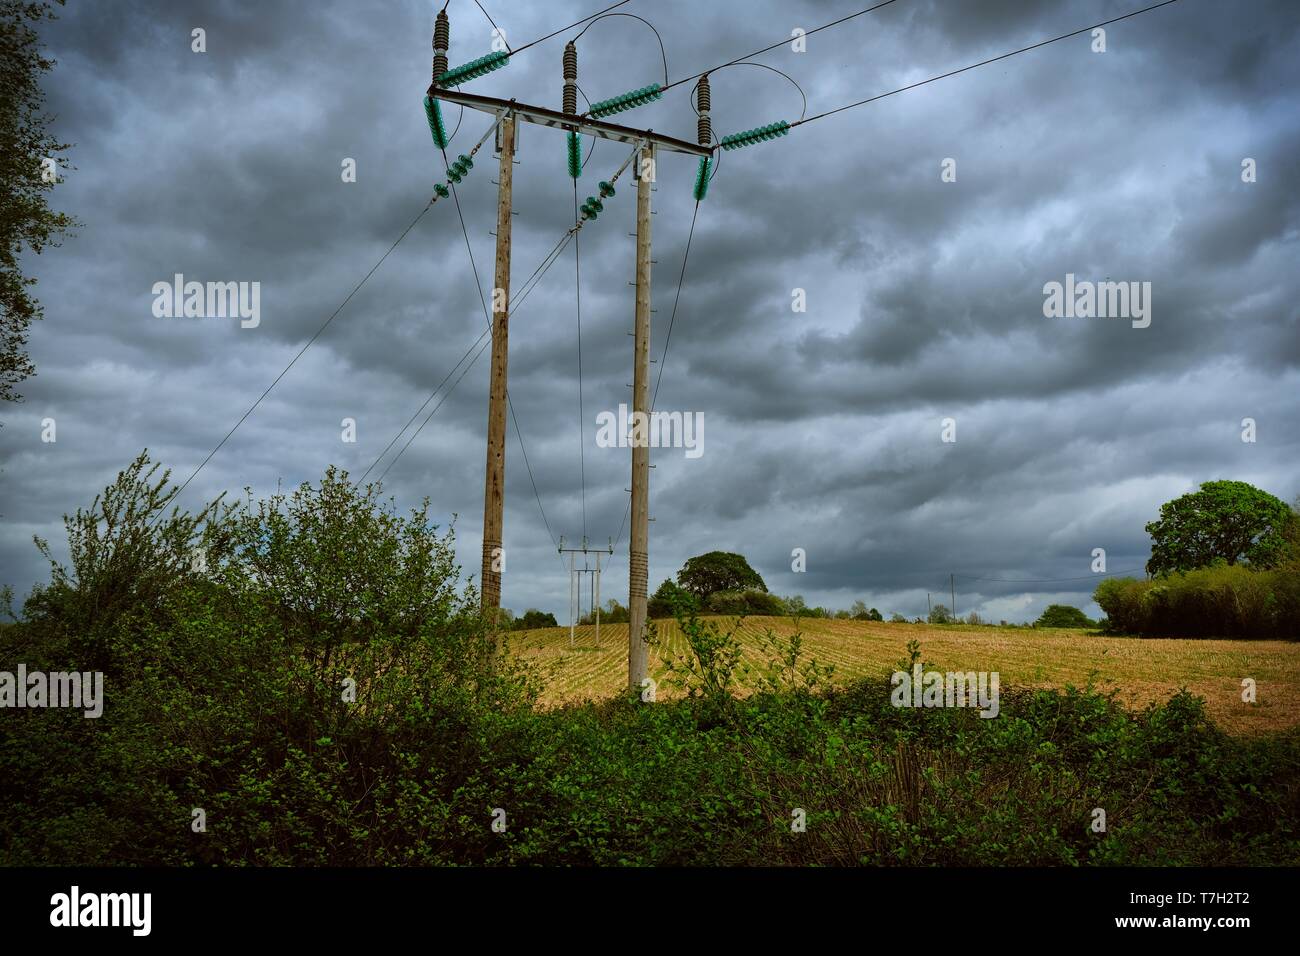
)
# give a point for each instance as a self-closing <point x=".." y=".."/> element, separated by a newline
<point x="495" y="476"/>
<point x="638" y="548"/>
<point x="648" y="143"/>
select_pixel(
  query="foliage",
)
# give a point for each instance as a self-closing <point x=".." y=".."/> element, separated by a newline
<point x="709" y="670"/>
<point x="226" y="690"/>
<point x="611" y="613"/>
<point x="707" y="574"/>
<point x="26" y="220"/>
<point x="1228" y="520"/>
<point x="533" y="619"/>
<point x="292" y="683"/>
<point x="752" y="602"/>
<point x="668" y="598"/>
<point x="1221" y="601"/>
<point x="939" y="614"/>
<point x="1063" y="615"/>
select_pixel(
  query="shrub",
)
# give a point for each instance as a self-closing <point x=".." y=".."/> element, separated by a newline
<point x="228" y="690"/>
<point x="756" y="603"/>
<point x="940" y="614"/>
<point x="1063" y="615"/>
<point x="533" y="619"/>
<point x="1218" y="601"/>
<point x="668" y="598"/>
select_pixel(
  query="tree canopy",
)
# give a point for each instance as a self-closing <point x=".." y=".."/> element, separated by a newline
<point x="29" y="167"/>
<point x="706" y="574"/>
<point x="1228" y="520"/>
<point x="1063" y="615"/>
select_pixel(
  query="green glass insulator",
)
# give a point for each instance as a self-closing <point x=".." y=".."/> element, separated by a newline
<point x="575" y="155"/>
<point x="702" y="178"/>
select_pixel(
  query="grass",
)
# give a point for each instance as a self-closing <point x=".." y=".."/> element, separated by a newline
<point x="1140" y="670"/>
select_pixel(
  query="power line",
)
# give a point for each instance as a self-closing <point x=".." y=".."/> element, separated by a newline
<point x="663" y="357"/>
<point x="390" y="445"/>
<point x="762" y="66"/>
<point x="528" y="286"/>
<point x="485" y="334"/>
<point x="781" y="42"/>
<point x="1084" y="577"/>
<point x="441" y="402"/>
<point x="577" y="287"/>
<point x="575" y="23"/>
<point x="497" y="29"/>
<point x="487" y="318"/>
<point x="662" y="52"/>
<point x="1025" y="49"/>
<point x="293" y="361"/>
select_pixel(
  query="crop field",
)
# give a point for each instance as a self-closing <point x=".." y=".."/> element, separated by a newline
<point x="1141" y="670"/>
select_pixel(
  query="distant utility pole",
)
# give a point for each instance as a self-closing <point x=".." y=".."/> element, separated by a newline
<point x="952" y="587"/>
<point x="638" y="552"/>
<point x="495" y="475"/>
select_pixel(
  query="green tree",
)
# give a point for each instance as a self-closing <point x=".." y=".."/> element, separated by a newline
<point x="533" y="619"/>
<point x="705" y="574"/>
<point x="611" y="613"/>
<point x="940" y="614"/>
<point x="1228" y="520"/>
<point x="1063" y="615"/>
<point x="665" y="601"/>
<point x="26" y="220"/>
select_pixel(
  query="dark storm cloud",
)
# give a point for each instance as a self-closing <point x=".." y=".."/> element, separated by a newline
<point x="822" y="428"/>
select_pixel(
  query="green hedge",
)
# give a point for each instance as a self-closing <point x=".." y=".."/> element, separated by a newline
<point x="222" y="693"/>
<point x="1222" y="601"/>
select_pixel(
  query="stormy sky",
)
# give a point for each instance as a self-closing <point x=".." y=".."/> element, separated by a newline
<point x="823" y="428"/>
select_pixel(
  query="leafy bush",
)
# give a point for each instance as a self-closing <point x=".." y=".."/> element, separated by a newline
<point x="668" y="598"/>
<point x="533" y="619"/>
<point x="939" y="614"/>
<point x="288" y="668"/>
<point x="745" y="603"/>
<point x="1219" y="601"/>
<point x="1063" y="615"/>
<point x="229" y="689"/>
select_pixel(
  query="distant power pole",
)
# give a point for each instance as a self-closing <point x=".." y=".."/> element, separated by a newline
<point x="638" y="549"/>
<point x="952" y="587"/>
<point x="928" y="609"/>
<point x="495" y="475"/>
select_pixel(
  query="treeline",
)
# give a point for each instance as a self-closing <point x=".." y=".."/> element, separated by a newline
<point x="1225" y="562"/>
